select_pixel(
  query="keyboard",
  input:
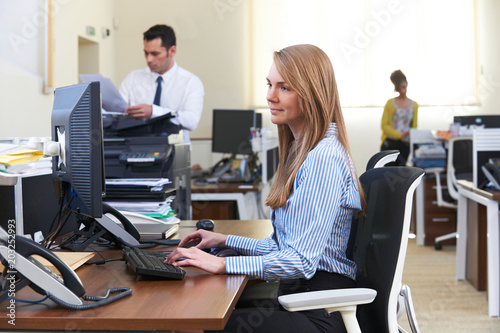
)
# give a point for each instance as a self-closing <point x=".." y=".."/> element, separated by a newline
<point x="150" y="263"/>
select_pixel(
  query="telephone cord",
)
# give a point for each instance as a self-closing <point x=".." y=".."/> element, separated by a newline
<point x="99" y="300"/>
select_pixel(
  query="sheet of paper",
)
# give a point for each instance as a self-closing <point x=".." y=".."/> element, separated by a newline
<point x="112" y="101"/>
<point x="137" y="182"/>
<point x="72" y="259"/>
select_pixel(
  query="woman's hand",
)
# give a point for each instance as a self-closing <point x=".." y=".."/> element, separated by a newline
<point x="197" y="258"/>
<point x="205" y="239"/>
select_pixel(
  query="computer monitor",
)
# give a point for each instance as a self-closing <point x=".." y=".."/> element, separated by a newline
<point x="77" y="128"/>
<point x="231" y="130"/>
<point x="485" y="146"/>
<point x="78" y="166"/>
<point x="486" y="121"/>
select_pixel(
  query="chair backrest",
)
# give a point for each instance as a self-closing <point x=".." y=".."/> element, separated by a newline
<point x="459" y="163"/>
<point x="379" y="241"/>
<point x="381" y="158"/>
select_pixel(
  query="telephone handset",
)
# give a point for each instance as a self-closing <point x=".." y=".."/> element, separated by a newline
<point x="222" y="167"/>
<point x="22" y="268"/>
<point x="127" y="225"/>
<point x="105" y="227"/>
<point x="130" y="228"/>
<point x="492" y="173"/>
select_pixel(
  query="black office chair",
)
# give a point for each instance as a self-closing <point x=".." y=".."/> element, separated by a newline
<point x="378" y="244"/>
<point x="458" y="166"/>
<point x="405" y="303"/>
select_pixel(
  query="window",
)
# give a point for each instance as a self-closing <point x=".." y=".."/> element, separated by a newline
<point x="431" y="41"/>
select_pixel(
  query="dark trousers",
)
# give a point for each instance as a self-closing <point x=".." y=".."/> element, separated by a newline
<point x="268" y="316"/>
<point x="403" y="147"/>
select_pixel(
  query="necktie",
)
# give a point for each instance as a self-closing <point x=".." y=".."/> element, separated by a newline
<point x="158" y="91"/>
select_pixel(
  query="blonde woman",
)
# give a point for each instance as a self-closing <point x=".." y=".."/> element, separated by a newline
<point x="313" y="199"/>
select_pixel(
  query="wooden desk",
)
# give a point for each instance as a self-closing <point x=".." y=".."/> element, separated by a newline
<point x="467" y="192"/>
<point x="199" y="301"/>
<point x="245" y="196"/>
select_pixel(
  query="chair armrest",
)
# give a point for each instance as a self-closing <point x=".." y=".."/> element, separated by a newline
<point x="439" y="190"/>
<point x="327" y="299"/>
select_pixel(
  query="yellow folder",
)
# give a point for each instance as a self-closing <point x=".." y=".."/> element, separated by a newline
<point x="21" y="156"/>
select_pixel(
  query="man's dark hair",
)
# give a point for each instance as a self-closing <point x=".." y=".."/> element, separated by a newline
<point x="163" y="31"/>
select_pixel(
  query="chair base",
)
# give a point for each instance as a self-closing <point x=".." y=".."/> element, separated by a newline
<point x="438" y="240"/>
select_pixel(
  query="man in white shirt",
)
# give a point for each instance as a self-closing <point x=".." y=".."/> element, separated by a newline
<point x="178" y="92"/>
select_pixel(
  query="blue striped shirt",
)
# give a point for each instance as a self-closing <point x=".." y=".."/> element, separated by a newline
<point x="310" y="232"/>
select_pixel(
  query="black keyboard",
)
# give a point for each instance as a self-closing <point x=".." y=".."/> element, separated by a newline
<point x="150" y="263"/>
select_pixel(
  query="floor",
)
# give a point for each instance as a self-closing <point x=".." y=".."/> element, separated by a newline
<point x="443" y="304"/>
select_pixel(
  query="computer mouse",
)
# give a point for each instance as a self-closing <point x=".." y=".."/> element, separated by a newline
<point x="205" y="224"/>
<point x="192" y="244"/>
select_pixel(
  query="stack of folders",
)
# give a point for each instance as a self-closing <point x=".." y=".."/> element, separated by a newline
<point x="151" y="197"/>
<point x="20" y="161"/>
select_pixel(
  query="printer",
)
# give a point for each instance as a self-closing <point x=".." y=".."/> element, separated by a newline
<point x="152" y="148"/>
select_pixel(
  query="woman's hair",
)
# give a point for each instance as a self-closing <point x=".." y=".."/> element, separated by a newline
<point x="397" y="77"/>
<point x="309" y="72"/>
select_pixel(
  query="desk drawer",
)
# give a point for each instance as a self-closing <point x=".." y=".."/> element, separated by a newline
<point x="438" y="225"/>
<point x="431" y="207"/>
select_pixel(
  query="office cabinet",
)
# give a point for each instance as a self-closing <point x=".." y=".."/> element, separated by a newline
<point x="438" y="221"/>
<point x="216" y="210"/>
<point x="32" y="202"/>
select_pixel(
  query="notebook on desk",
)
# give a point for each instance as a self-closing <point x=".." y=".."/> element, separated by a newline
<point x="161" y="230"/>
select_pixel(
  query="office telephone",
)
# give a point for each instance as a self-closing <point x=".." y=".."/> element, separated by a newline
<point x="22" y="269"/>
<point x="222" y="167"/>
<point x="492" y="172"/>
<point x="103" y="227"/>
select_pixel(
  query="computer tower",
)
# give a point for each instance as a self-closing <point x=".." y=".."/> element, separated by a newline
<point x="32" y="203"/>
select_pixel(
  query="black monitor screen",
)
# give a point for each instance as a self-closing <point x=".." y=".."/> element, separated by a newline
<point x="77" y="130"/>
<point x="483" y="157"/>
<point x="488" y="121"/>
<point x="231" y="130"/>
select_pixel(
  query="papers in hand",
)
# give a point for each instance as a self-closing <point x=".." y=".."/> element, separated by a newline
<point x="112" y="101"/>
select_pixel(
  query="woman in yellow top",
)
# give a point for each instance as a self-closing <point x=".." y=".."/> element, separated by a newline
<point x="400" y="114"/>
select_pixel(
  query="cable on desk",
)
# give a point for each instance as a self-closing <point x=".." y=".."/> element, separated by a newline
<point x="99" y="300"/>
<point x="27" y="301"/>
<point x="64" y="212"/>
<point x="146" y="244"/>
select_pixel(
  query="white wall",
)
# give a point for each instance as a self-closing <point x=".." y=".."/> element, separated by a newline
<point x="489" y="55"/>
<point x="214" y="43"/>
<point x="24" y="107"/>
